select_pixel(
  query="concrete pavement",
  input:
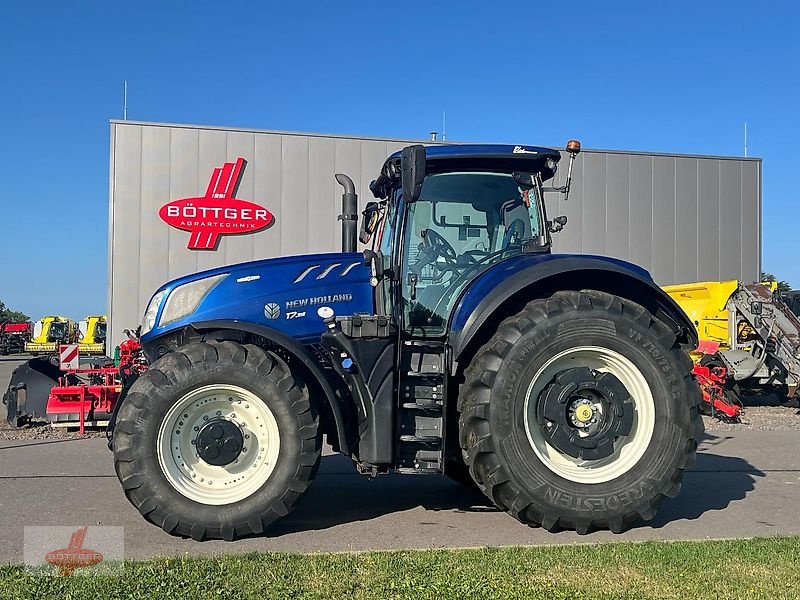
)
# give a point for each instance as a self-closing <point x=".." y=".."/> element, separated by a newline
<point x="744" y="485"/>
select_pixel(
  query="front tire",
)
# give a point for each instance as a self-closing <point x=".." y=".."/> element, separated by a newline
<point x="580" y="413"/>
<point x="216" y="440"/>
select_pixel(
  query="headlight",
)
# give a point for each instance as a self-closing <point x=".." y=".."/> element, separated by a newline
<point x="149" y="318"/>
<point x="185" y="299"/>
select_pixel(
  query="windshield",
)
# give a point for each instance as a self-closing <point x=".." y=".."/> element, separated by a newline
<point x="56" y="332"/>
<point x="462" y="224"/>
<point x="100" y="331"/>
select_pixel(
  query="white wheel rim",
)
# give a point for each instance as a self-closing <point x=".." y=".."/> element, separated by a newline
<point x="627" y="450"/>
<point x="209" y="484"/>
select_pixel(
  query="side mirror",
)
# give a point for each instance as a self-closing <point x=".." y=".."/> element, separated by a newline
<point x="412" y="167"/>
<point x="371" y="216"/>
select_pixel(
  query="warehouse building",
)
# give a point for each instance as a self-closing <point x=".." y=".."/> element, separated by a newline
<point x="683" y="217"/>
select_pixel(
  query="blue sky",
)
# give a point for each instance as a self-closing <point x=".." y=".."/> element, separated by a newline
<point x="663" y="76"/>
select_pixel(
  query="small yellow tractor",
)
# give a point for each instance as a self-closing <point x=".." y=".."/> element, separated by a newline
<point x="93" y="335"/>
<point x="49" y="332"/>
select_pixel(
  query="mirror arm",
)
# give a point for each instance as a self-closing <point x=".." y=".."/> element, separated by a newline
<point x="375" y="267"/>
<point x="568" y="184"/>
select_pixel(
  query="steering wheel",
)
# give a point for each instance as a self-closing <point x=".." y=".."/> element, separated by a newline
<point x="515" y="231"/>
<point x="432" y="247"/>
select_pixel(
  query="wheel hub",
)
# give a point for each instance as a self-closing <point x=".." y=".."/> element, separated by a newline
<point x="219" y="442"/>
<point x="582" y="412"/>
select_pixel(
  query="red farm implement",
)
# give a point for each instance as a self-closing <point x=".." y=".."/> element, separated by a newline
<point x="40" y="391"/>
<point x="90" y="401"/>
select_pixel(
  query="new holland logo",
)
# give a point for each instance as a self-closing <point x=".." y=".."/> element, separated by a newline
<point x="218" y="212"/>
<point x="272" y="310"/>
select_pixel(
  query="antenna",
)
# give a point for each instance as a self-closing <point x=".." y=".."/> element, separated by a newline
<point x="125" y="100"/>
<point x="745" y="139"/>
<point x="444" y="126"/>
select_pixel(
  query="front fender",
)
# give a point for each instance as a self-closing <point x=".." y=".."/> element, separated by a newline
<point x="224" y="329"/>
<point x="514" y="282"/>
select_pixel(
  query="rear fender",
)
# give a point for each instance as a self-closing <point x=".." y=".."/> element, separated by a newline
<point x="243" y="332"/>
<point x="498" y="293"/>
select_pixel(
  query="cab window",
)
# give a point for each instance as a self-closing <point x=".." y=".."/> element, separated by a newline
<point x="462" y="224"/>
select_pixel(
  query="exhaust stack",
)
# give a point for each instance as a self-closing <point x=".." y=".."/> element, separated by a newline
<point x="349" y="216"/>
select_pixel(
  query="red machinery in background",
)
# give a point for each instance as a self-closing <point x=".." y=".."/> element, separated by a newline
<point x="87" y="400"/>
<point x="99" y="389"/>
<point x="712" y="380"/>
<point x="40" y="391"/>
<point x="13" y="336"/>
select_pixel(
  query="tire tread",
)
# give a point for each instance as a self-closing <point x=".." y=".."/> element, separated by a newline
<point x="474" y="405"/>
<point x="132" y="419"/>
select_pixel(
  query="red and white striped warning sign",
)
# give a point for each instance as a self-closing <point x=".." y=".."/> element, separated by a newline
<point x="68" y="356"/>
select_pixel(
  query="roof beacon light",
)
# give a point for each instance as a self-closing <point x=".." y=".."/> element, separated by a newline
<point x="573" y="147"/>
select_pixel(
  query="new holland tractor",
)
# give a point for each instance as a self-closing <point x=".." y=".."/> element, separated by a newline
<point x="559" y="385"/>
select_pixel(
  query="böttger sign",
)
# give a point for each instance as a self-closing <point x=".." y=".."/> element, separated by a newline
<point x="218" y="212"/>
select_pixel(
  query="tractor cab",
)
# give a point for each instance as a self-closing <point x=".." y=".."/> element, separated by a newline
<point x="443" y="216"/>
<point x="476" y="207"/>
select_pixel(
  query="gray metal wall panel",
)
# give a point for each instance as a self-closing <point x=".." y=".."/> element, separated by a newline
<point x="617" y="189"/>
<point x="683" y="218"/>
<point x="640" y="246"/>
<point x="570" y="238"/>
<point x="322" y="193"/>
<point x="111" y="183"/>
<point x="185" y="181"/>
<point x="294" y="195"/>
<point x="708" y="220"/>
<point x="730" y="220"/>
<point x="124" y="258"/>
<point x="594" y="206"/>
<point x="663" y="243"/>
<point x="751" y="213"/>
<point x="154" y="180"/>
<point x="268" y="183"/>
<point x="347" y="160"/>
<point x="686" y="219"/>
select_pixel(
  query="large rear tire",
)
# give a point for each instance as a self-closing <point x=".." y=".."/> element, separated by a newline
<point x="580" y="413"/>
<point x="216" y="440"/>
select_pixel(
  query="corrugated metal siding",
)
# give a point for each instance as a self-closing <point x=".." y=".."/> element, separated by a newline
<point x="684" y="218"/>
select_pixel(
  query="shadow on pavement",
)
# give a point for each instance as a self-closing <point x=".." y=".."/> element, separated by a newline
<point x="714" y="483"/>
<point x="339" y="495"/>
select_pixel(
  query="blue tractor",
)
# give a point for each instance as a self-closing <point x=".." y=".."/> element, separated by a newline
<point x="559" y="385"/>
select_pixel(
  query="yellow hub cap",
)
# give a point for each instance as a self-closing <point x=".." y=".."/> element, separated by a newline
<point x="583" y="413"/>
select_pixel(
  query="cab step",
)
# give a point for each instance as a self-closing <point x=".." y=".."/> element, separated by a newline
<point x="421" y="416"/>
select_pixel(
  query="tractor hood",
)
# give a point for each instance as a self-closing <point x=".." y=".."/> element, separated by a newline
<point x="292" y="294"/>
